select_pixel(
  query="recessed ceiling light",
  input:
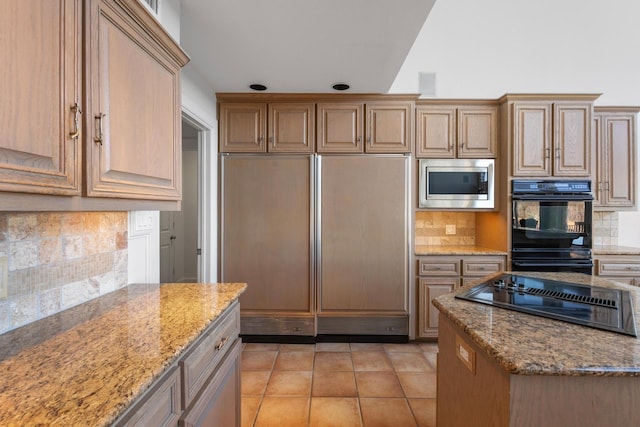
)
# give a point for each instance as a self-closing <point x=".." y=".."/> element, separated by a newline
<point x="341" y="86"/>
<point x="256" y="86"/>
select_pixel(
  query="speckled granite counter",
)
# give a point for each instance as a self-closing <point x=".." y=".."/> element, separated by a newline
<point x="615" y="250"/>
<point x="85" y="365"/>
<point x="455" y="250"/>
<point x="530" y="345"/>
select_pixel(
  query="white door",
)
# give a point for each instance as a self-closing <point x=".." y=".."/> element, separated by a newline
<point x="167" y="249"/>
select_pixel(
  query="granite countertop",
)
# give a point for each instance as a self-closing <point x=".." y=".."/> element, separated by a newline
<point x="615" y="250"/>
<point x="530" y="345"/>
<point x="85" y="365"/>
<point x="455" y="250"/>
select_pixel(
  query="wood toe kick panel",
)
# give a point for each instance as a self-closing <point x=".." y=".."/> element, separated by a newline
<point x="363" y="325"/>
<point x="277" y="325"/>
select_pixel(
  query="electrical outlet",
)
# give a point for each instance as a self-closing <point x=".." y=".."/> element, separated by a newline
<point x="4" y="276"/>
<point x="450" y="229"/>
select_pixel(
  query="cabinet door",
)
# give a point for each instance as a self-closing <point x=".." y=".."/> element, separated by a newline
<point x="340" y="127"/>
<point x="266" y="231"/>
<point x="477" y="132"/>
<point x="389" y="127"/>
<point x="243" y="128"/>
<point x="598" y="184"/>
<point x="572" y="148"/>
<point x="363" y="235"/>
<point x="620" y="161"/>
<point x="160" y="406"/>
<point x="430" y="288"/>
<point x="531" y="139"/>
<point x="39" y="85"/>
<point x="134" y="117"/>
<point x="436" y="132"/>
<point x="292" y="128"/>
<point x="218" y="404"/>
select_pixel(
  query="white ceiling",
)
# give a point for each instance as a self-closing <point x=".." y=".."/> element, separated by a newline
<point x="300" y="45"/>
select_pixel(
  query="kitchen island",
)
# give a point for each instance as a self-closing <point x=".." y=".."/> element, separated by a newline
<point x="498" y="367"/>
<point x="129" y="354"/>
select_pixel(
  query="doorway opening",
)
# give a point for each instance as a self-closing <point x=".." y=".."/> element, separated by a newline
<point x="180" y="247"/>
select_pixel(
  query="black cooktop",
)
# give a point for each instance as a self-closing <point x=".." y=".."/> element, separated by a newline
<point x="597" y="307"/>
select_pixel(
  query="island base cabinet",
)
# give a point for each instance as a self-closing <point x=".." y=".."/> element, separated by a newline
<point x="471" y="390"/>
<point x="474" y="390"/>
<point x="219" y="401"/>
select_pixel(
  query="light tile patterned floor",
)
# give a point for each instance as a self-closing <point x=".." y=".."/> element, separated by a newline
<point x="339" y="385"/>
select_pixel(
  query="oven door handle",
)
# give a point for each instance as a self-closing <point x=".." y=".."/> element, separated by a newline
<point x="547" y="264"/>
<point x="554" y="197"/>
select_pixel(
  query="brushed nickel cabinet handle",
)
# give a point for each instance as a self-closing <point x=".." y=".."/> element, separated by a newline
<point x="99" y="137"/>
<point x="76" y="111"/>
<point x="547" y="152"/>
<point x="557" y="152"/>
<point x="223" y="341"/>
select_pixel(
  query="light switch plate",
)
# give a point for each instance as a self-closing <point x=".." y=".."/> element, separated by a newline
<point x="450" y="229"/>
<point x="4" y="276"/>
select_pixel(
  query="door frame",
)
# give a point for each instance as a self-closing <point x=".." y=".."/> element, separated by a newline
<point x="207" y="197"/>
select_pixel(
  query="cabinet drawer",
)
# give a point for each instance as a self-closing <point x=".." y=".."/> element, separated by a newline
<point x="481" y="266"/>
<point x="619" y="267"/>
<point x="200" y="363"/>
<point x="439" y="266"/>
<point x="161" y="405"/>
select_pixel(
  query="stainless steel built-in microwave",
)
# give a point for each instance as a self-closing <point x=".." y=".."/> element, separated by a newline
<point x="456" y="183"/>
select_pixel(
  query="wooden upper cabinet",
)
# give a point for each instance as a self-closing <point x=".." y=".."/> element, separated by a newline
<point x="572" y="144"/>
<point x="616" y="144"/>
<point x="477" y="132"/>
<point x="389" y="127"/>
<point x="340" y="128"/>
<point x="552" y="138"/>
<point x="133" y="104"/>
<point x="40" y="81"/>
<point x="243" y="127"/>
<point x="436" y="131"/>
<point x="450" y="131"/>
<point x="292" y="128"/>
<point x="532" y="135"/>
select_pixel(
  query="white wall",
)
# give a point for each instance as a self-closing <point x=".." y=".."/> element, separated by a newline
<point x="484" y="49"/>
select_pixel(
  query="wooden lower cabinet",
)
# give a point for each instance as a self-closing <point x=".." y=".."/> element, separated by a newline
<point x="441" y="274"/>
<point x="218" y="403"/>
<point x="473" y="390"/>
<point x="620" y="268"/>
<point x="202" y="388"/>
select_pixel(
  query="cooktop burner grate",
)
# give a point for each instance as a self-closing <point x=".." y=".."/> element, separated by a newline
<point x="585" y="299"/>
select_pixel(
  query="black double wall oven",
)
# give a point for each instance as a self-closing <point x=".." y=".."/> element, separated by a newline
<point x="552" y="225"/>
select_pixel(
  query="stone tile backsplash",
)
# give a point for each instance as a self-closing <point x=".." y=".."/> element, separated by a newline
<point x="58" y="260"/>
<point x="431" y="228"/>
<point x="605" y="228"/>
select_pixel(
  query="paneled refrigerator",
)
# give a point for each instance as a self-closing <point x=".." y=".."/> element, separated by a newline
<point x="321" y="240"/>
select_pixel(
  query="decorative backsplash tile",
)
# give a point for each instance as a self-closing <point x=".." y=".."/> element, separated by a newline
<point x="58" y="260"/>
<point x="605" y="228"/>
<point x="431" y="228"/>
